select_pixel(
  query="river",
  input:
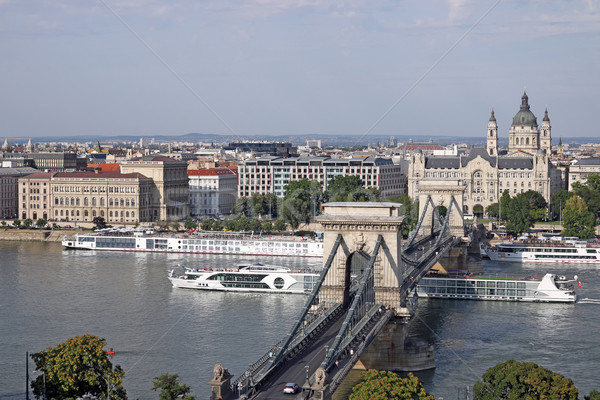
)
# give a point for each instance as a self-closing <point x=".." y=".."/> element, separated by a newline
<point x="48" y="294"/>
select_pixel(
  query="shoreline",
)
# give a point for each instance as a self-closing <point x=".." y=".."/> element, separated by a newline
<point x="37" y="235"/>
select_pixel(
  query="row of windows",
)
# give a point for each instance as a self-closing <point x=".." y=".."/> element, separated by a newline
<point x="94" y="213"/>
<point x="86" y="202"/>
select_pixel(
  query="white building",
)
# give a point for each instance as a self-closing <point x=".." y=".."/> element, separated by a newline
<point x="581" y="169"/>
<point x="212" y="191"/>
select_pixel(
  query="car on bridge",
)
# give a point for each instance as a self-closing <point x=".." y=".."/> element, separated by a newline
<point x="291" y="388"/>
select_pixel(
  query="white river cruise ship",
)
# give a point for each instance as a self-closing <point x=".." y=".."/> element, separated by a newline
<point x="207" y="243"/>
<point x="547" y="251"/>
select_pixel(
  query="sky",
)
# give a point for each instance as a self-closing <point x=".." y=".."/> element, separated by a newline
<point x="286" y="67"/>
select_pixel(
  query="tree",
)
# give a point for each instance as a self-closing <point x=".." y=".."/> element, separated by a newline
<point x="493" y="210"/>
<point x="170" y="388"/>
<point x="523" y="380"/>
<point x="279" y="226"/>
<point x="99" y="222"/>
<point x="27" y="223"/>
<point x="17" y="222"/>
<point x="190" y="224"/>
<point x="559" y="199"/>
<point x="241" y="206"/>
<point x="302" y="199"/>
<point x="176" y="226"/>
<point x="76" y="367"/>
<point x="257" y="204"/>
<point x="590" y="192"/>
<point x="577" y="220"/>
<point x="254" y="225"/>
<point x="206" y="224"/>
<point x="504" y="205"/>
<point x="594" y="395"/>
<point x="3" y="223"/>
<point x="384" y="385"/>
<point x="217" y="225"/>
<point x="267" y="226"/>
<point x="349" y="188"/>
<point x="41" y="222"/>
<point x="518" y="214"/>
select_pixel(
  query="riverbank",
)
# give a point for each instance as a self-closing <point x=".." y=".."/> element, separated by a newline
<point x="40" y="235"/>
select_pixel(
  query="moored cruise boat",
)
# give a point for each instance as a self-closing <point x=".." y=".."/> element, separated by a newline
<point x="550" y="251"/>
<point x="256" y="278"/>
<point x="550" y="289"/>
<point x="201" y="243"/>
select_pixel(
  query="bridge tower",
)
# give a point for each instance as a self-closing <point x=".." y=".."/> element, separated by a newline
<point x="360" y="225"/>
<point x="447" y="193"/>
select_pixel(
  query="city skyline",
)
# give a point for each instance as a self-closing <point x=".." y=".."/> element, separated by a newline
<point x="242" y="68"/>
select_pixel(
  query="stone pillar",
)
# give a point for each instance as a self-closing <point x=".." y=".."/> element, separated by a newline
<point x="221" y="384"/>
<point x="392" y="350"/>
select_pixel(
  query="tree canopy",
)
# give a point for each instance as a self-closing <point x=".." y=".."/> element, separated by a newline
<point x="349" y="188"/>
<point x="302" y="200"/>
<point x="385" y="385"/>
<point x="577" y="219"/>
<point x="170" y="388"/>
<point x="590" y="192"/>
<point x="516" y="380"/>
<point x="76" y="367"/>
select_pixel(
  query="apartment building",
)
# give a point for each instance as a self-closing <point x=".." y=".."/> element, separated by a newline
<point x="9" y="189"/>
<point x="271" y="174"/>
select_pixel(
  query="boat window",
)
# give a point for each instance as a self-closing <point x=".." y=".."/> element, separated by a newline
<point x="491" y="284"/>
<point x="501" y="284"/>
<point x="481" y="291"/>
<point x="500" y="292"/>
<point x="461" y="283"/>
<point x="480" y="284"/>
<point x="510" y="292"/>
<point x="521" y="285"/>
<point x="510" y="285"/>
<point x="491" y="292"/>
<point x="520" y="293"/>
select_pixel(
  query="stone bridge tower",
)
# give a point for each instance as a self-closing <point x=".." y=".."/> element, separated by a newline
<point x="442" y="193"/>
<point x="360" y="224"/>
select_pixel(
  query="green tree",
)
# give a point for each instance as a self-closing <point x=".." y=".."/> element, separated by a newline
<point x="3" y="223"/>
<point x="577" y="220"/>
<point x="76" y="367"/>
<point x="99" y="222"/>
<point x="492" y="210"/>
<point x="505" y="200"/>
<point x="190" y="224"/>
<point x="349" y="188"/>
<point x="206" y="224"/>
<point x="279" y="225"/>
<point x="241" y="206"/>
<point x="242" y="223"/>
<point x="594" y="395"/>
<point x="385" y="385"/>
<point x="217" y="225"/>
<point x="519" y="214"/>
<point x="590" y="192"/>
<point x="176" y="226"/>
<point x="27" y="223"/>
<point x="257" y="205"/>
<point x="267" y="226"/>
<point x="170" y="388"/>
<point x="523" y="380"/>
<point x="254" y="225"/>
<point x="272" y="205"/>
<point x="559" y="199"/>
<point x="41" y="222"/>
<point x="302" y="199"/>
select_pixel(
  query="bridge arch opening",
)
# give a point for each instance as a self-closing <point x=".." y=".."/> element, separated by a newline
<point x="356" y="263"/>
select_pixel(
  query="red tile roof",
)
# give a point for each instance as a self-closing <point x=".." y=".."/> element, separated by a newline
<point x="39" y="175"/>
<point x="105" y="167"/>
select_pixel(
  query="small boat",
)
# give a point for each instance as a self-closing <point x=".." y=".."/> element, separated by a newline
<point x="256" y="278"/>
<point x="572" y="251"/>
<point x="483" y="251"/>
<point x="550" y="289"/>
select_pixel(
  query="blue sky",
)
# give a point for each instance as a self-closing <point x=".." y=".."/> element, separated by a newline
<point x="148" y="67"/>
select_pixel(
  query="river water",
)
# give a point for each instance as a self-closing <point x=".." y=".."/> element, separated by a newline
<point x="48" y="294"/>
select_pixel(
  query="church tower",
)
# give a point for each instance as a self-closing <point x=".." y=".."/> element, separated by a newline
<point x="523" y="134"/>
<point x="545" y="134"/>
<point x="492" y="136"/>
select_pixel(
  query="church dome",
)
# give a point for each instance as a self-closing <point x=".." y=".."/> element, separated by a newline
<point x="524" y="116"/>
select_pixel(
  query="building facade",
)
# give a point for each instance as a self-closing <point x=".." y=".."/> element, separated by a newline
<point x="581" y="169"/>
<point x="271" y="174"/>
<point x="47" y="162"/>
<point x="487" y="174"/>
<point x="213" y="192"/>
<point x="83" y="196"/>
<point x="170" y="193"/>
<point x="9" y="190"/>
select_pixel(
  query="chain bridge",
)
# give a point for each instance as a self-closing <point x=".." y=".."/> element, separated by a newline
<point x="366" y="289"/>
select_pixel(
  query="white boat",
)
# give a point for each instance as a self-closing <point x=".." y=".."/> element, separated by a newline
<point x="550" y="289"/>
<point x="550" y="251"/>
<point x="246" y="278"/>
<point x="201" y="243"/>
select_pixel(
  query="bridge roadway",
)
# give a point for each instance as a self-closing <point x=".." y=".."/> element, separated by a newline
<point x="295" y="370"/>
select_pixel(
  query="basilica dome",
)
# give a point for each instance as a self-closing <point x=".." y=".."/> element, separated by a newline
<point x="524" y="117"/>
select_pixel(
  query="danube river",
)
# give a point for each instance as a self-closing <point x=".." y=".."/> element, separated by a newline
<point x="48" y="294"/>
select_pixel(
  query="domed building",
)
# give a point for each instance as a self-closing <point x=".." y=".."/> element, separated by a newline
<point x="486" y="174"/>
